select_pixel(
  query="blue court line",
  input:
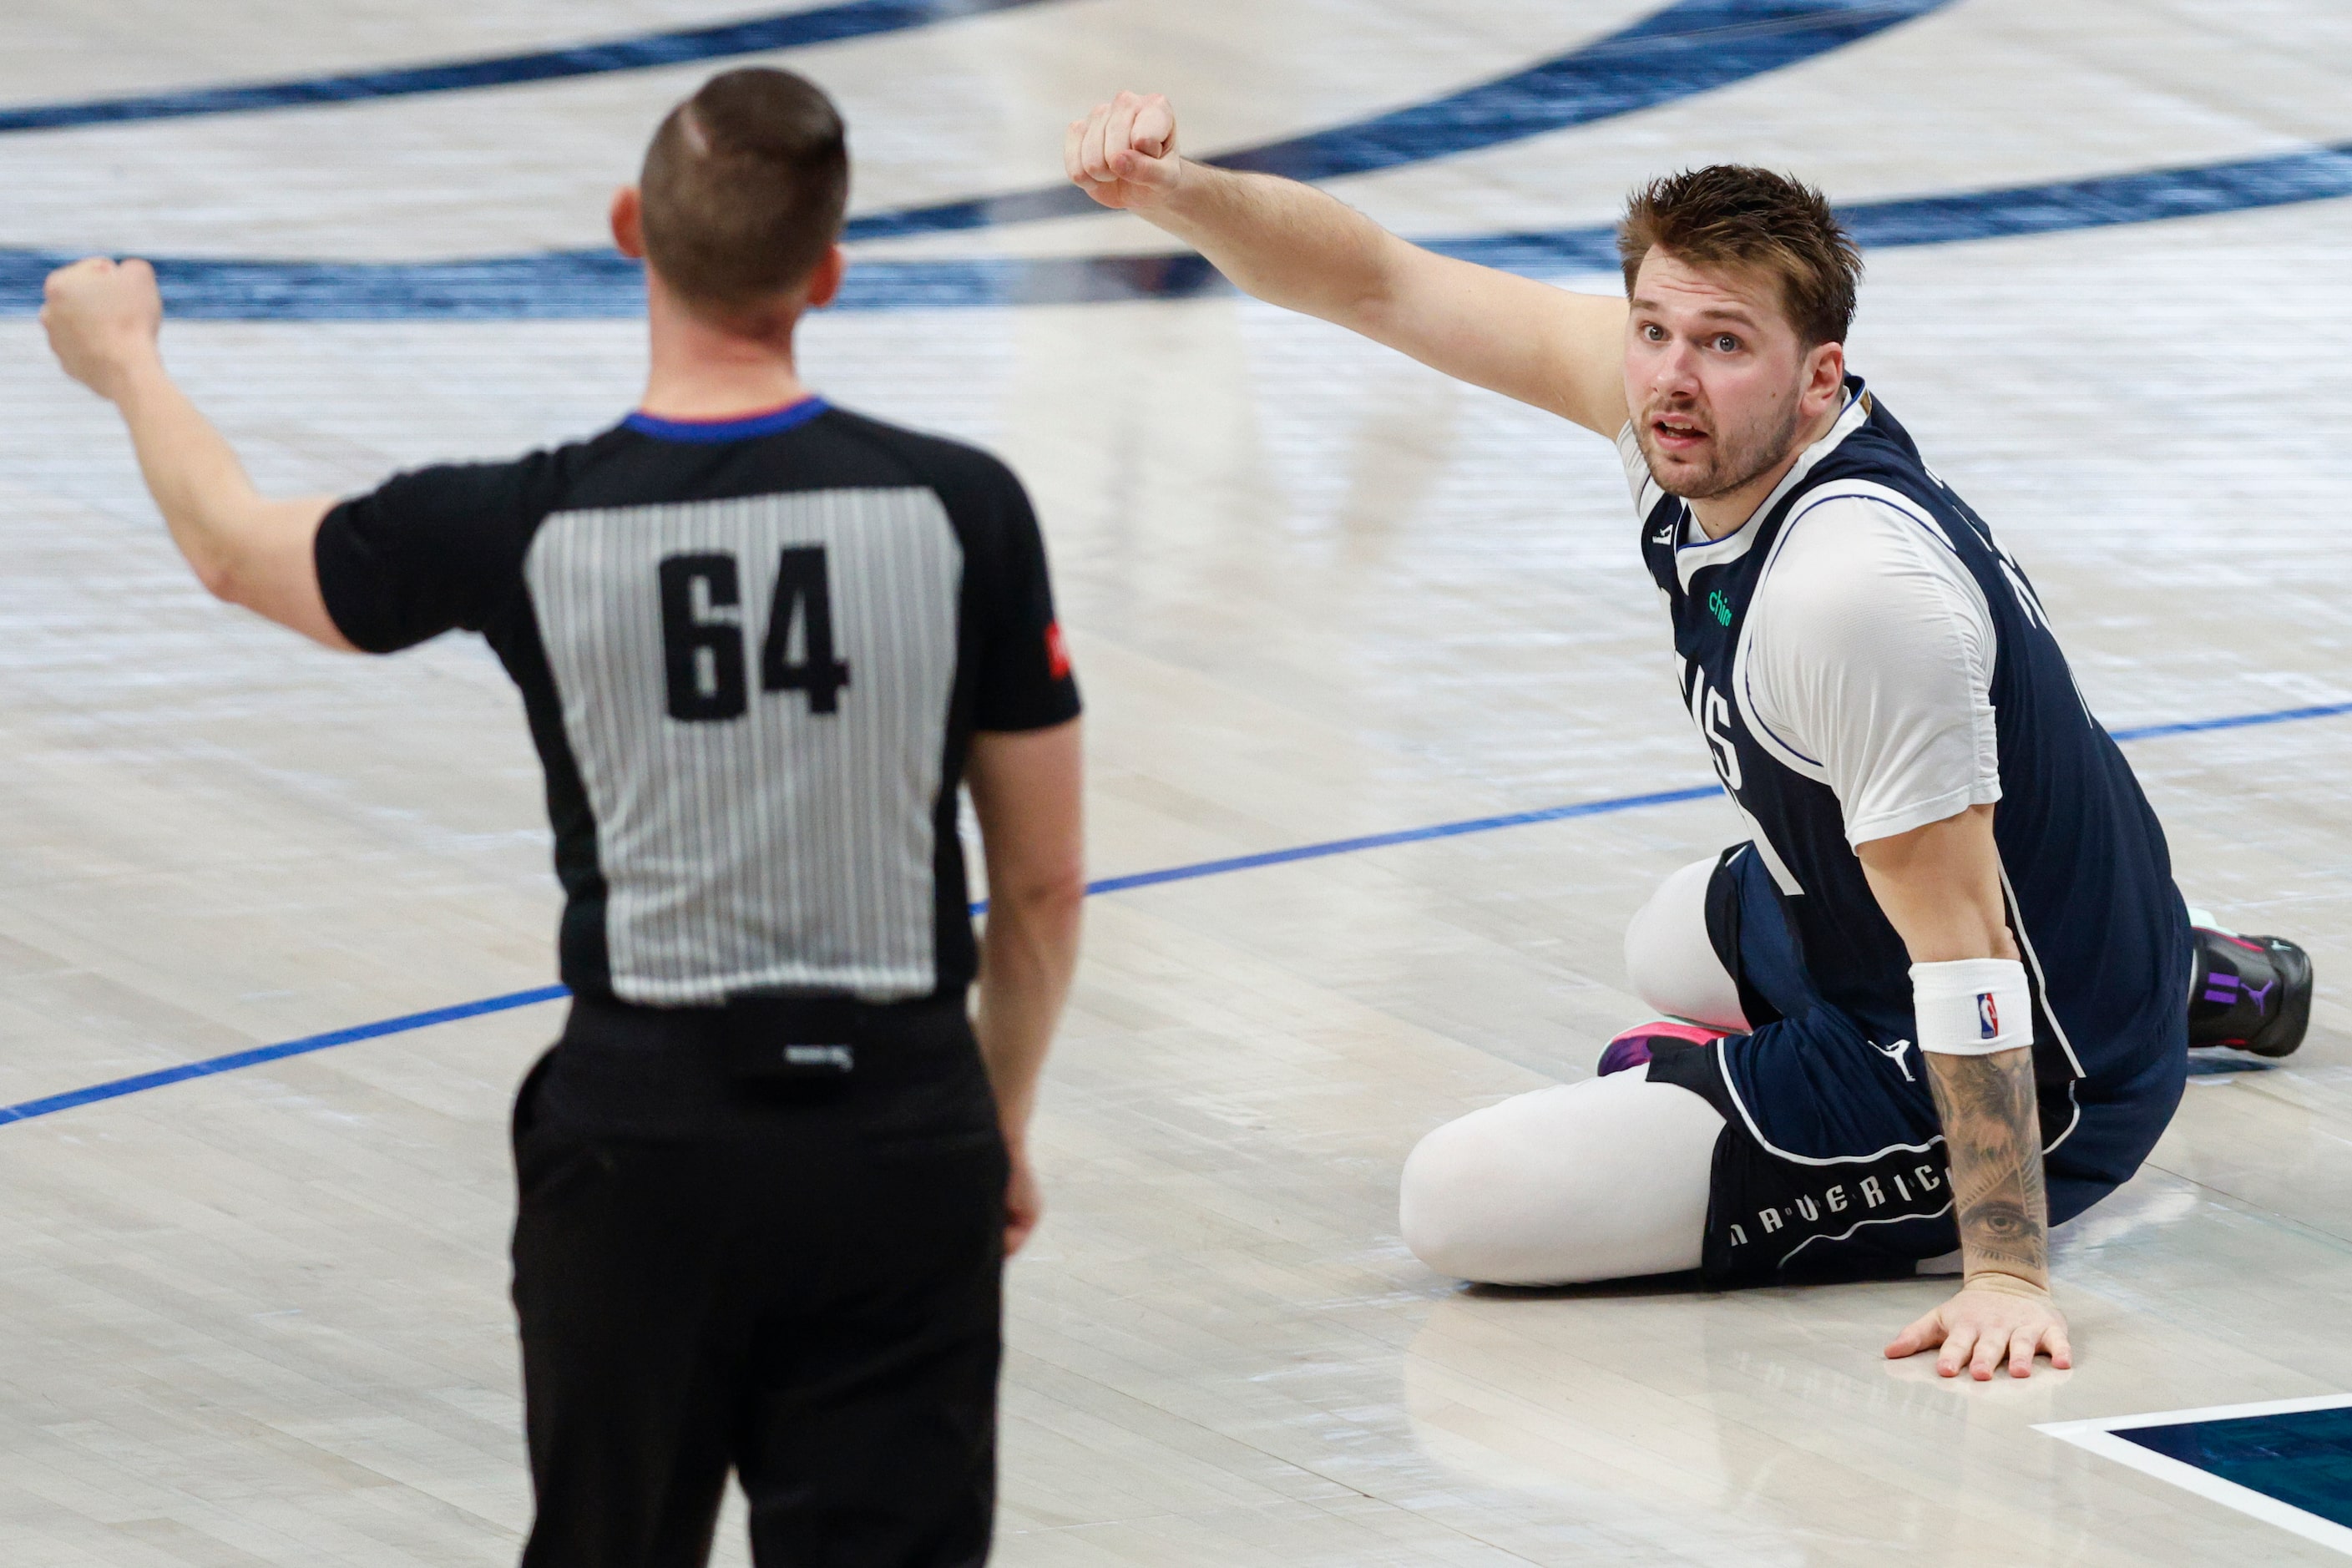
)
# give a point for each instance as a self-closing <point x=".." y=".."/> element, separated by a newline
<point x="284" y="1048"/>
<point x="1403" y="836"/>
<point x="580" y="286"/>
<point x="648" y="51"/>
<point x="117" y="1087"/>
<point x="1690" y="48"/>
<point x="2236" y="721"/>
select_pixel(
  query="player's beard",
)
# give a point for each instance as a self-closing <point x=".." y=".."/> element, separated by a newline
<point x="1742" y="455"/>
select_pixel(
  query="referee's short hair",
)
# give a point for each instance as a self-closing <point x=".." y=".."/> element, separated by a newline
<point x="744" y="187"/>
<point x="1734" y="214"/>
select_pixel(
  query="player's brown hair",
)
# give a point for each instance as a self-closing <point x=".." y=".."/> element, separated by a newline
<point x="744" y="187"/>
<point x="1733" y="215"/>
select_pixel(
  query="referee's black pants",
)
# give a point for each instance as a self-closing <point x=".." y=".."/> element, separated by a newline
<point x="793" y="1277"/>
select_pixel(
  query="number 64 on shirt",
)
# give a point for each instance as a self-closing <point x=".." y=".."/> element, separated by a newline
<point x="702" y="635"/>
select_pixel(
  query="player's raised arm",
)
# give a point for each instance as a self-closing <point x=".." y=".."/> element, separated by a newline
<point x="1290" y="245"/>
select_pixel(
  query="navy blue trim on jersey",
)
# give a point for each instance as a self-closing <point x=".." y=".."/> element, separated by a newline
<point x="743" y="427"/>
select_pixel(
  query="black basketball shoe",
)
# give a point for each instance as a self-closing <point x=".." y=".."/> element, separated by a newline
<point x="2250" y="992"/>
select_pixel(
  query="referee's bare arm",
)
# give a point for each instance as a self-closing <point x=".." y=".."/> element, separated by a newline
<point x="103" y="318"/>
<point x="1028" y="790"/>
<point x="1292" y="246"/>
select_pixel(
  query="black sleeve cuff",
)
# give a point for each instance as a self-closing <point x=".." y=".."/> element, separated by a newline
<point x="354" y="584"/>
<point x="1056" y="707"/>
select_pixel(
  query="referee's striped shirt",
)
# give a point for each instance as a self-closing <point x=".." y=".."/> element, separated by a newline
<point x="753" y="653"/>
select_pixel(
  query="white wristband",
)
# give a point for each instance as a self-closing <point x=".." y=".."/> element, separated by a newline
<point x="1972" y="1006"/>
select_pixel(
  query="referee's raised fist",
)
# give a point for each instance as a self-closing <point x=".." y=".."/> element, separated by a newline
<point x="1124" y="153"/>
<point x="103" y="317"/>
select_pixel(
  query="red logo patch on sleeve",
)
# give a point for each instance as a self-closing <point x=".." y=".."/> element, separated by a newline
<point x="1057" y="653"/>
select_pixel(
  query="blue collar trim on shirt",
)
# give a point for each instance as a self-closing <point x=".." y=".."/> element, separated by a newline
<point x="709" y="431"/>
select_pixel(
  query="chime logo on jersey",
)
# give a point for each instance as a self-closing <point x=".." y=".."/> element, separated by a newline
<point x="1988" y="1016"/>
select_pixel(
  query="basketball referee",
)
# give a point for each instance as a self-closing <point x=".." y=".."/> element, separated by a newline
<point x="771" y="1171"/>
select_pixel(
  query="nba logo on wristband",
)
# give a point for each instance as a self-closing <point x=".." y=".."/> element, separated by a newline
<point x="1972" y="1006"/>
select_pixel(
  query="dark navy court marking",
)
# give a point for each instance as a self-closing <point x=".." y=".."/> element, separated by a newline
<point x="648" y="51"/>
<point x="1689" y="48"/>
<point x="2302" y="1458"/>
<point x="117" y="1088"/>
<point x="580" y="286"/>
<point x="2285" y="1461"/>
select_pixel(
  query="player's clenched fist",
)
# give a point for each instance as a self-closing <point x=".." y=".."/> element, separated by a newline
<point x="1124" y="153"/>
<point x="101" y="318"/>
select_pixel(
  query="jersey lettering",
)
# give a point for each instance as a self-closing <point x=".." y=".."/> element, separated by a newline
<point x="804" y="603"/>
<point x="1718" y="715"/>
<point x="702" y="636"/>
<point x="2027" y="600"/>
<point x="1712" y="714"/>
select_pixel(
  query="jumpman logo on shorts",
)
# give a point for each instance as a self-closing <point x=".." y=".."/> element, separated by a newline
<point x="1894" y="1053"/>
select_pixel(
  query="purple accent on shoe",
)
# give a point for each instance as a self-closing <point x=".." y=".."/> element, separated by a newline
<point x="1632" y="1048"/>
<point x="1625" y="1051"/>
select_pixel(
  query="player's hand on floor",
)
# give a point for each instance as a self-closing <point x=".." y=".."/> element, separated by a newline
<point x="1994" y="1319"/>
<point x="1024" y="1201"/>
<point x="1124" y="153"/>
<point x="103" y="317"/>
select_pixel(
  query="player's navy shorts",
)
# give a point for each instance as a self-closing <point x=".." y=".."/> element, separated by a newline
<point x="1832" y="1160"/>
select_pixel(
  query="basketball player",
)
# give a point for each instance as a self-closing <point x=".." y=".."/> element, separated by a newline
<point x="768" y="1177"/>
<point x="1944" y="983"/>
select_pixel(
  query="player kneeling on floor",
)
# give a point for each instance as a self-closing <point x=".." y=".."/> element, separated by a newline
<point x="1947" y="976"/>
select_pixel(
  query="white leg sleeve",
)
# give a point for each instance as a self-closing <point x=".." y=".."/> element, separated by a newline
<point x="1669" y="959"/>
<point x="1602" y="1180"/>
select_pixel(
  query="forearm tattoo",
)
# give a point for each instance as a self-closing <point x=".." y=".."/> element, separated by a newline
<point x="1992" y="1131"/>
